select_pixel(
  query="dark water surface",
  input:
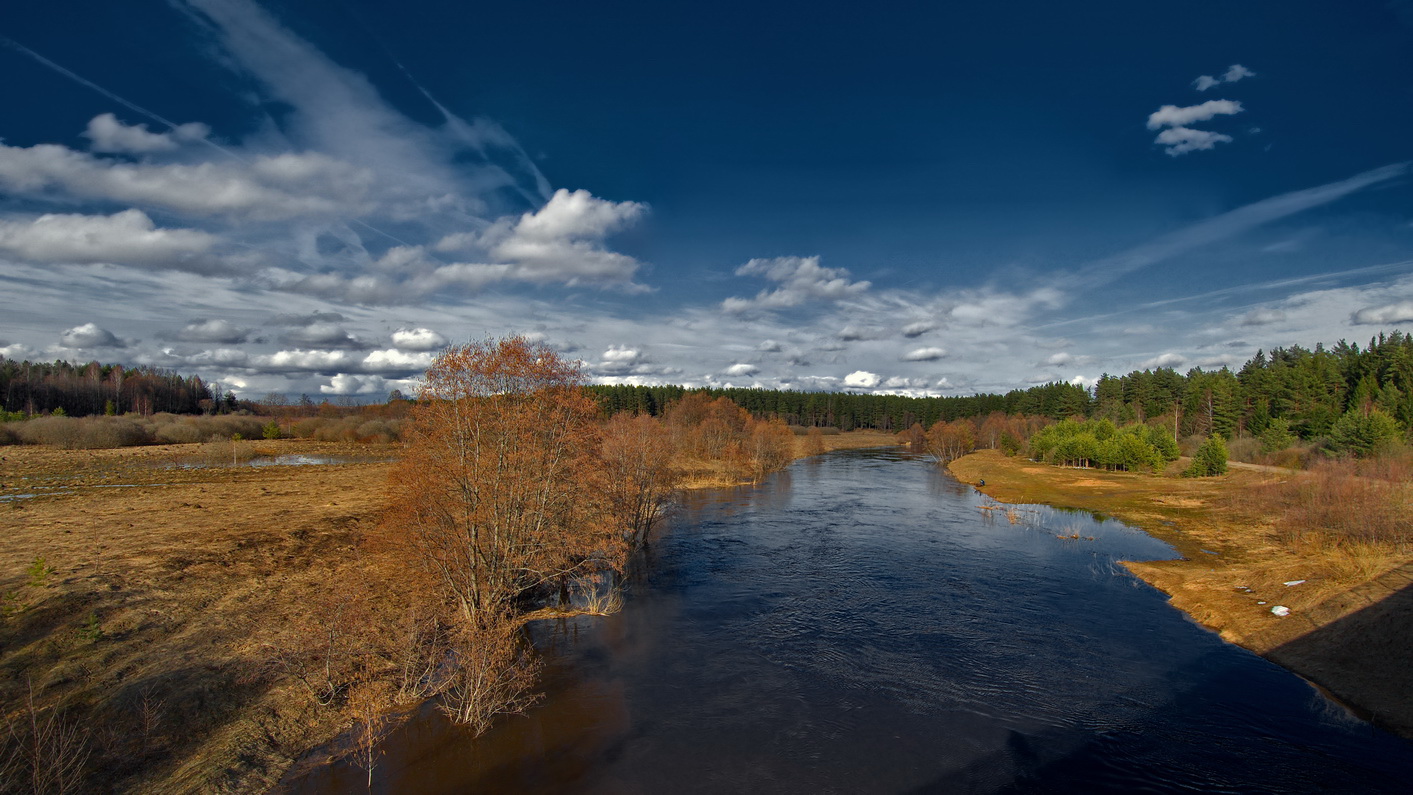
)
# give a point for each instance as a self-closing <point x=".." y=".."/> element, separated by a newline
<point x="858" y="624"/>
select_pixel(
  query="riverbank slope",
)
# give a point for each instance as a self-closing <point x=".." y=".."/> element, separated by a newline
<point x="1350" y="627"/>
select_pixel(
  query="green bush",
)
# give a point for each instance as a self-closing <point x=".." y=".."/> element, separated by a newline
<point x="1363" y="434"/>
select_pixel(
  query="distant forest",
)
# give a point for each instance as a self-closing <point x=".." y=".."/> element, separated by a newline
<point x="78" y="390"/>
<point x="1307" y="390"/>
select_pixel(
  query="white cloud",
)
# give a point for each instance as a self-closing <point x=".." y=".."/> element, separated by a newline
<point x="214" y="330"/>
<point x="1262" y="317"/>
<point x="769" y="346"/>
<point x="396" y="361"/>
<point x="741" y="368"/>
<point x="1399" y="312"/>
<point x="862" y="379"/>
<point x="1181" y="140"/>
<point x="801" y="279"/>
<point x="315" y="361"/>
<point x="1236" y="72"/>
<point x="107" y="134"/>
<point x="855" y="333"/>
<point x="1233" y="73"/>
<point x="621" y="353"/>
<point x="1163" y="360"/>
<point x="267" y="188"/>
<point x="126" y="238"/>
<point x="323" y="335"/>
<point x="1061" y="358"/>
<point x="1174" y="116"/>
<point x="918" y="329"/>
<point x="418" y="339"/>
<point x="89" y="335"/>
<point x="924" y="355"/>
<point x="348" y="384"/>
<point x="1084" y="381"/>
<point x="563" y="241"/>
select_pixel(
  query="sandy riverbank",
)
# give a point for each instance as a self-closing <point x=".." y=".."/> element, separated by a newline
<point x="1350" y="627"/>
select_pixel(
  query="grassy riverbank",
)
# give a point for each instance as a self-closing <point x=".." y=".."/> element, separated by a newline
<point x="1350" y="625"/>
<point x="148" y="626"/>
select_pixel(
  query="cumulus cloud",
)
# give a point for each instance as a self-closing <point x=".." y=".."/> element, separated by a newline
<point x="1181" y="140"/>
<point x="924" y="355"/>
<point x="125" y="238"/>
<point x="561" y="242"/>
<point x="417" y="339"/>
<point x="324" y="335"/>
<point x="801" y="279"/>
<point x="1262" y="317"/>
<point x="621" y="353"/>
<point x="349" y="384"/>
<point x="392" y="360"/>
<point x="1061" y="358"/>
<point x="1174" y="116"/>
<point x="107" y="134"/>
<point x="1399" y="312"/>
<point x="862" y="379"/>
<point x="769" y="346"/>
<point x="212" y="330"/>
<point x="1233" y="73"/>
<point x="741" y="368"/>
<point x="89" y="335"/>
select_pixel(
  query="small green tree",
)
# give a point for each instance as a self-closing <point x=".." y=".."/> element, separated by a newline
<point x="1210" y="459"/>
<point x="271" y="430"/>
<point x="1277" y="436"/>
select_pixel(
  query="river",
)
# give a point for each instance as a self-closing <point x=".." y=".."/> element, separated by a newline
<point x="859" y="624"/>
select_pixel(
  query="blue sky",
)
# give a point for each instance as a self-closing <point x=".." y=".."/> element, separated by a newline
<point x="312" y="197"/>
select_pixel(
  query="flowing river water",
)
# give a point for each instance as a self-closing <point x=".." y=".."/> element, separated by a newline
<point x="859" y="624"/>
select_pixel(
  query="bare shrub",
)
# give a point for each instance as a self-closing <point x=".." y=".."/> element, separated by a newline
<point x="53" y="431"/>
<point x="1342" y="502"/>
<point x="8" y="434"/>
<point x="1244" y="448"/>
<point x="48" y="751"/>
<point x="170" y="429"/>
<point x="493" y="672"/>
<point x="306" y="428"/>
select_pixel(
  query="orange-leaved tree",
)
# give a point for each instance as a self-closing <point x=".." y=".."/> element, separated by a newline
<point x="500" y="487"/>
<point x="639" y="461"/>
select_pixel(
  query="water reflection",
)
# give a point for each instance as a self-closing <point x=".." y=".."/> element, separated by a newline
<point x="860" y="626"/>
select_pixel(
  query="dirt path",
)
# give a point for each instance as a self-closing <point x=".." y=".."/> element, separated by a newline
<point x="1350" y="622"/>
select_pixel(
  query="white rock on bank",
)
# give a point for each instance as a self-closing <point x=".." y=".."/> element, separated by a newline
<point x="1281" y="610"/>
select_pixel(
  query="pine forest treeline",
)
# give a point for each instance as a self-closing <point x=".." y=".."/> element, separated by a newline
<point x="1305" y="391"/>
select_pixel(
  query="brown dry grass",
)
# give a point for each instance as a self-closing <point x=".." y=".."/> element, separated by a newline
<point x="188" y="573"/>
<point x="1242" y="537"/>
<point x="1228" y="538"/>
